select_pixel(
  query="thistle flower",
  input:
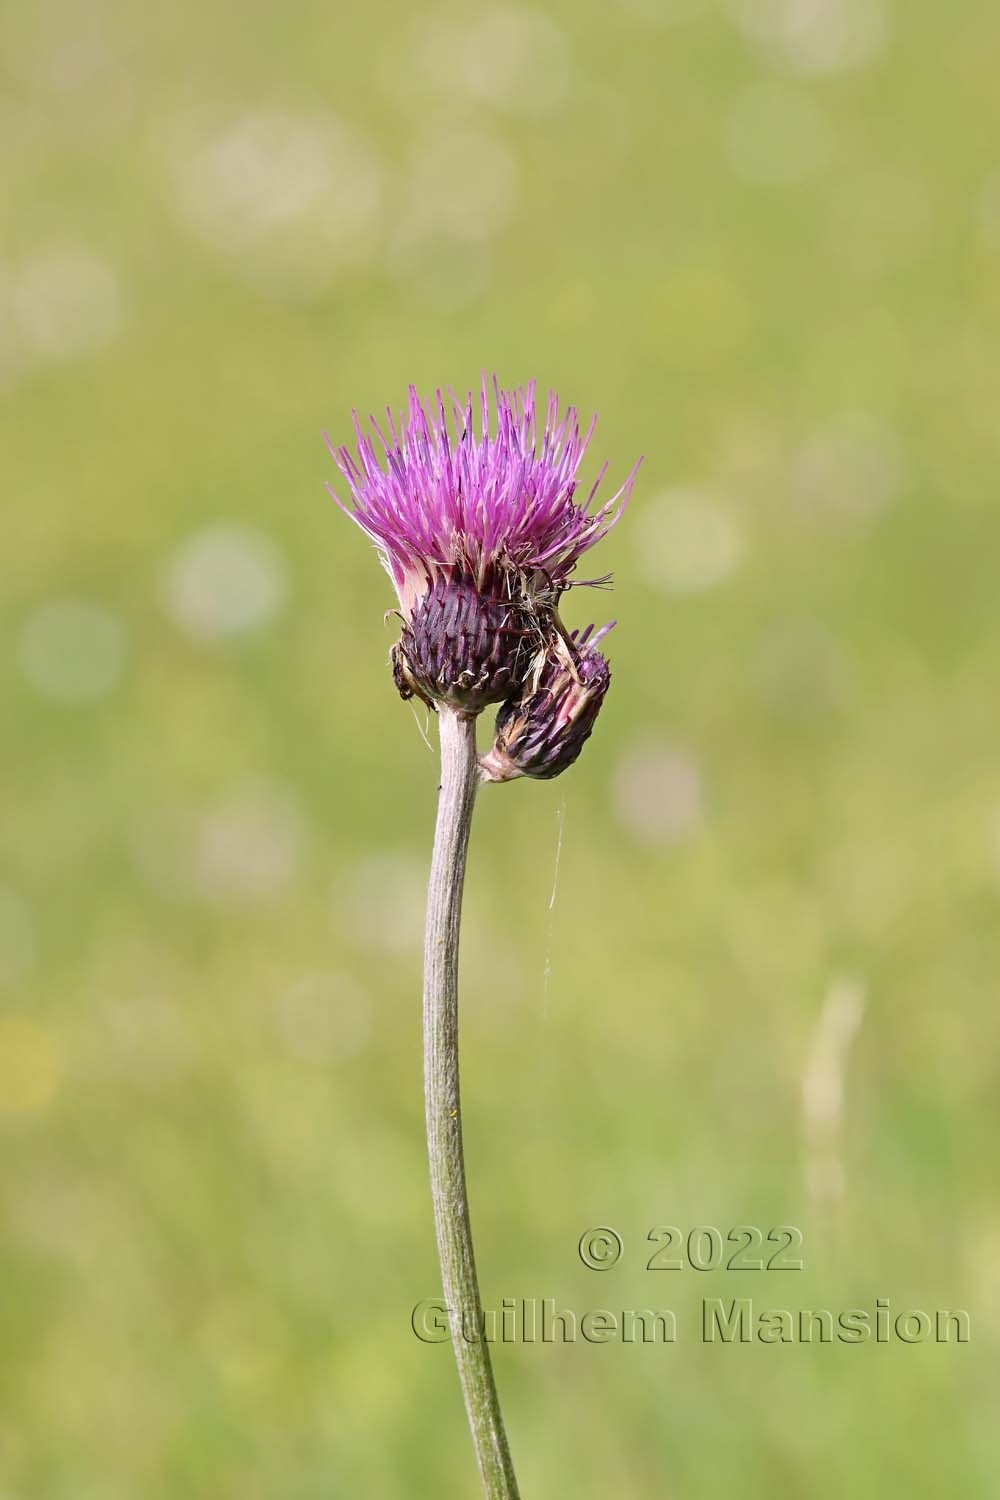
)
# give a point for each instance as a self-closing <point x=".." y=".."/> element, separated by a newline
<point x="479" y="532"/>
<point x="541" y="733"/>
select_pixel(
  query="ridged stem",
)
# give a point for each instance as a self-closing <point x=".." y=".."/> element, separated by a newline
<point x="459" y="779"/>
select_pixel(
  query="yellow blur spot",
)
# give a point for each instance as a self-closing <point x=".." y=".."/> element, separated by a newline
<point x="699" y="316"/>
<point x="30" y="1066"/>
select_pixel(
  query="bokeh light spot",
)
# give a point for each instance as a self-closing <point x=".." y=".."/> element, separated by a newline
<point x="657" y="793"/>
<point x="293" y="198"/>
<point x="850" y="470"/>
<point x="73" y="651"/>
<point x="30" y="1066"/>
<point x="518" y="59"/>
<point x="686" y="542"/>
<point x="513" y="58"/>
<point x="66" y="303"/>
<point x="801" y="671"/>
<point x="813" y="37"/>
<point x="777" y="137"/>
<point x="225" y="581"/>
<point x="248" y="848"/>
<point x="463" y="183"/>
<point x="383" y="899"/>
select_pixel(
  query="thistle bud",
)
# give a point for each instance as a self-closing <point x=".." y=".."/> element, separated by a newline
<point x="541" y="733"/>
<point x="466" y="644"/>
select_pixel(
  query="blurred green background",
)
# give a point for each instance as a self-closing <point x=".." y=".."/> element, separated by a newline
<point x="763" y="238"/>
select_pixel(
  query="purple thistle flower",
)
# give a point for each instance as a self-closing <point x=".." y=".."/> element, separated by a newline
<point x="435" y="501"/>
<point x="479" y="531"/>
<point x="541" y="733"/>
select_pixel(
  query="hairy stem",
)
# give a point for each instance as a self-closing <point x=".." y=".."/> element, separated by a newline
<point x="459" y="779"/>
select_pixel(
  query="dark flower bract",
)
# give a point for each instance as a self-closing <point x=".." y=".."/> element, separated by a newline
<point x="541" y="733"/>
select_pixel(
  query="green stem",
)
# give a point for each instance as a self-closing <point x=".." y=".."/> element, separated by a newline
<point x="459" y="779"/>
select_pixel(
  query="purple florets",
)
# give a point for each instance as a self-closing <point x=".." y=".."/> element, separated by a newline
<point x="436" y="496"/>
<point x="480" y="532"/>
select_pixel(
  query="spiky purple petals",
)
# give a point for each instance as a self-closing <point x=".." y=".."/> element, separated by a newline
<point x="434" y="494"/>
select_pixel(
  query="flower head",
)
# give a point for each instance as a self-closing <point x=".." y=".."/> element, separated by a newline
<point x="476" y="519"/>
<point x="541" y="733"/>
